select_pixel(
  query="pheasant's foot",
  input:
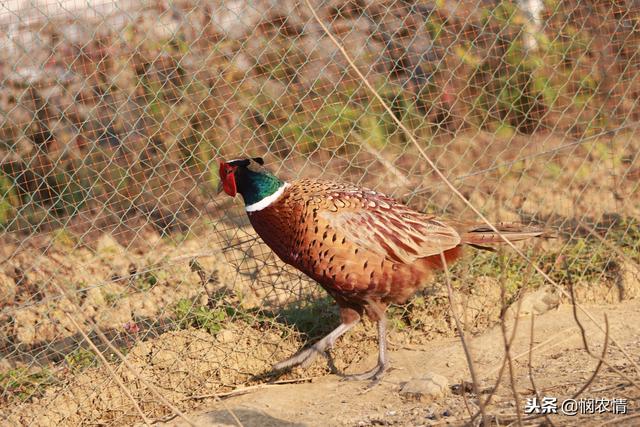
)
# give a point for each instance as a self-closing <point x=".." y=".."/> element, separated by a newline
<point x="305" y="357"/>
<point x="374" y="374"/>
<point x="383" y="362"/>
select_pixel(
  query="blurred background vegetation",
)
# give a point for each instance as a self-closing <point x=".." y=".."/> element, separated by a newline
<point x="116" y="121"/>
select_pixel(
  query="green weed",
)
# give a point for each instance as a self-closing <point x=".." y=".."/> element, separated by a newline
<point x="8" y="200"/>
<point x="111" y="298"/>
<point x="80" y="359"/>
<point x="189" y="314"/>
<point x="24" y="384"/>
<point x="314" y="318"/>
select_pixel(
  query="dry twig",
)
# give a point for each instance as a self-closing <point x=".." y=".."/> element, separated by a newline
<point x="530" y="365"/>
<point x="112" y="373"/>
<point x="467" y="352"/>
<point x="122" y="358"/>
<point x="248" y="389"/>
<point x="507" y="347"/>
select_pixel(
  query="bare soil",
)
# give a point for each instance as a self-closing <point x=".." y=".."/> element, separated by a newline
<point x="193" y="369"/>
<point x="560" y="367"/>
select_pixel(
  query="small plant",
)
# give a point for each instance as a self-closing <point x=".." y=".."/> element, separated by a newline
<point x="64" y="238"/>
<point x="110" y="298"/>
<point x="25" y="384"/>
<point x="8" y="200"/>
<point x="189" y="314"/>
<point x="313" y="318"/>
<point x="145" y="281"/>
<point x="80" y="359"/>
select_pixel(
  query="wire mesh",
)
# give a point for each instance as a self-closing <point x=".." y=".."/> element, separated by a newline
<point x="113" y="115"/>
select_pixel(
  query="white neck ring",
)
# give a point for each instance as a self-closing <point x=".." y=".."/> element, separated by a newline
<point x="258" y="206"/>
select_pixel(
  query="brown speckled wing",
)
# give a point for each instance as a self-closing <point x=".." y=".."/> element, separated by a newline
<point x="376" y="223"/>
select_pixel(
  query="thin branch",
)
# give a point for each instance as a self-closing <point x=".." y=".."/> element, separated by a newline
<point x="504" y="364"/>
<point x="533" y="383"/>
<point x="112" y="373"/>
<point x="122" y="358"/>
<point x="583" y="335"/>
<point x="467" y="352"/>
<point x="248" y="389"/>
<point x="507" y="348"/>
<point x="542" y="344"/>
<point x="135" y="372"/>
<point x="601" y="360"/>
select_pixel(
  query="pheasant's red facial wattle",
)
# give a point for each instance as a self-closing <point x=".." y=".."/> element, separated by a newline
<point x="228" y="178"/>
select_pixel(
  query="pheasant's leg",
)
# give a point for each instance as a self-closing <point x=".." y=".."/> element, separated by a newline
<point x="308" y="355"/>
<point x="383" y="363"/>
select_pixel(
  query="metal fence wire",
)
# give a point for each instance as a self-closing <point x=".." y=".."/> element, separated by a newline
<point x="129" y="289"/>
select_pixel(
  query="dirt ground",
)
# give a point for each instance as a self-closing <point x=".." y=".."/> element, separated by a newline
<point x="211" y="375"/>
<point x="560" y="367"/>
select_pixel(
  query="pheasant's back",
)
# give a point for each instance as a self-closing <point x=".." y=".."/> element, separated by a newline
<point x="357" y="243"/>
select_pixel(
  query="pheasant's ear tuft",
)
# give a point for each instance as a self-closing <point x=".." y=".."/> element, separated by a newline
<point x="259" y="160"/>
<point x="239" y="162"/>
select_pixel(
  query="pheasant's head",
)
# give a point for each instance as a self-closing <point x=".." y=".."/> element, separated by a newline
<point x="250" y="178"/>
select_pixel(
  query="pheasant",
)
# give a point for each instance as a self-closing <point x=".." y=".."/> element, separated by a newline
<point x="364" y="248"/>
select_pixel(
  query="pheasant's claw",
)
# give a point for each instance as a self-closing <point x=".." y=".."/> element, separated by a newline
<point x="374" y="374"/>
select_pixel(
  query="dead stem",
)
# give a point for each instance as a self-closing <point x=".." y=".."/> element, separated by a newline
<point x="507" y="348"/>
<point x="112" y="373"/>
<point x="130" y="367"/>
<point x="467" y="352"/>
<point x="605" y="346"/>
<point x="601" y="360"/>
<point x="248" y="389"/>
<point x="530" y="367"/>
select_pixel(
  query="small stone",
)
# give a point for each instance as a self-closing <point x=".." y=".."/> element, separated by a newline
<point x="538" y="302"/>
<point x="226" y="336"/>
<point x="108" y="247"/>
<point x="8" y="290"/>
<point x="630" y="280"/>
<point x="429" y="387"/>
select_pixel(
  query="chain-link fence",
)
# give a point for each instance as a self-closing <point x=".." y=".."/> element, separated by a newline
<point x="115" y="245"/>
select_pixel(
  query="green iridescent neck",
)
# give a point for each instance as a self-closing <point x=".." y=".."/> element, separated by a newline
<point x="256" y="186"/>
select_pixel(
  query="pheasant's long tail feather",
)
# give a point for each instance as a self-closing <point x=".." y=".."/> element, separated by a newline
<point x="479" y="235"/>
